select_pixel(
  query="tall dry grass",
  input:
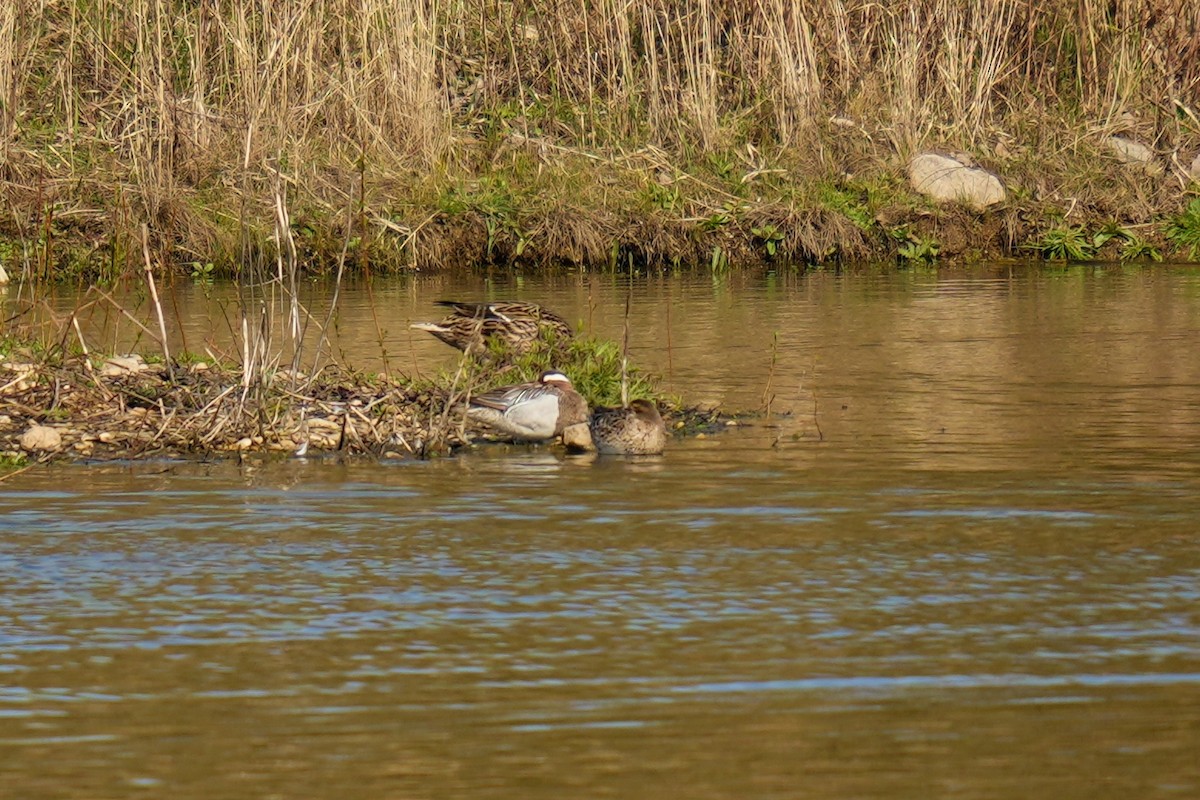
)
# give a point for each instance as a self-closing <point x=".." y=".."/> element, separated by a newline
<point x="194" y="116"/>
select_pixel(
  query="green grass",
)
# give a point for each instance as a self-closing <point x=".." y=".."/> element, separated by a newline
<point x="1065" y="244"/>
<point x="12" y="461"/>
<point x="1184" y="230"/>
<point x="593" y="365"/>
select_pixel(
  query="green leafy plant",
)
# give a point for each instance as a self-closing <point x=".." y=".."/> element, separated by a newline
<point x="849" y="203"/>
<point x="1133" y="247"/>
<point x="722" y="164"/>
<point x="12" y="461"/>
<point x="202" y="272"/>
<point x="718" y="262"/>
<point x="914" y="247"/>
<point x="769" y="236"/>
<point x="1108" y="232"/>
<point x="1136" y="249"/>
<point x="1066" y="244"/>
<point x="1184" y="230"/>
<point x="592" y="364"/>
<point x="716" y="220"/>
<point x="664" y="198"/>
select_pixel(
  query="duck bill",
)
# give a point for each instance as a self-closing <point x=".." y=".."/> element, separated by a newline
<point x="578" y="437"/>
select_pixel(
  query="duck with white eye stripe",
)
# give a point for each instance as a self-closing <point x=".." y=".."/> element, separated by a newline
<point x="531" y="412"/>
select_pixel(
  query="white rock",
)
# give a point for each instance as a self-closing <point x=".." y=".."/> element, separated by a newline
<point x="1129" y="151"/>
<point x="946" y="179"/>
<point x="1195" y="168"/>
<point x="1134" y="153"/>
<point x="40" y="437"/>
<point x="122" y="365"/>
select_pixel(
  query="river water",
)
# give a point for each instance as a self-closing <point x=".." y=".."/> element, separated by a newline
<point x="959" y="558"/>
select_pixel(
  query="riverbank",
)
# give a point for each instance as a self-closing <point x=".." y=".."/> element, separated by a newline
<point x="237" y="138"/>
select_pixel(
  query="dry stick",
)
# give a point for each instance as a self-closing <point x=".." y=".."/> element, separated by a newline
<point x="625" y="350"/>
<point x="670" y="362"/>
<point x="16" y="472"/>
<point x="817" y="422"/>
<point x="162" y="325"/>
<point x="438" y="431"/>
<point x="162" y="428"/>
<point x="767" y="397"/>
<point x="364" y="418"/>
<point x="287" y="258"/>
<point x="120" y="308"/>
<point x="87" y="360"/>
<point x="365" y="250"/>
<point x="337" y="291"/>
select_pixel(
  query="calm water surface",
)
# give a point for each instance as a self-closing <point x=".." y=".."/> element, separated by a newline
<point x="961" y="558"/>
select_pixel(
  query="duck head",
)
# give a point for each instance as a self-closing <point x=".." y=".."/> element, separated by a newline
<point x="646" y="410"/>
<point x="553" y="376"/>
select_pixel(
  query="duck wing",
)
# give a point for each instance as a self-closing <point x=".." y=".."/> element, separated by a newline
<point x="528" y="411"/>
<point x="506" y="397"/>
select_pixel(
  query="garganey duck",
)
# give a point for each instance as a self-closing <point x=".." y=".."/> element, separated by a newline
<point x="532" y="411"/>
<point x="470" y="327"/>
<point x="636" y="430"/>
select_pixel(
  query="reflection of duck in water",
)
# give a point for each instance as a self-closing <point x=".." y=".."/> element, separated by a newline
<point x="637" y="430"/>
<point x="532" y="411"/>
<point x="518" y="325"/>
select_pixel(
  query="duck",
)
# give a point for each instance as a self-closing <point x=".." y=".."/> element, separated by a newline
<point x="635" y="430"/>
<point x="518" y="325"/>
<point x="531" y="412"/>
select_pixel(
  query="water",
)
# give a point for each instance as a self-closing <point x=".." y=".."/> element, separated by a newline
<point x="960" y="559"/>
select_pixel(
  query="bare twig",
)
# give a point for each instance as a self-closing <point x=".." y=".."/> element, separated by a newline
<point x="162" y="325"/>
<point x="625" y="349"/>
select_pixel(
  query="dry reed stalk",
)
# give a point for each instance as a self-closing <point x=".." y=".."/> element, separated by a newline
<point x="625" y="348"/>
<point x="287" y="270"/>
<point x="798" y="91"/>
<point x="768" y="397"/>
<point x="10" y="61"/>
<point x="162" y="325"/>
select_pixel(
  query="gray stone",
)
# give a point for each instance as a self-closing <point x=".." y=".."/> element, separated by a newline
<point x="40" y="437"/>
<point x="1195" y="168"/>
<point x="944" y="179"/>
